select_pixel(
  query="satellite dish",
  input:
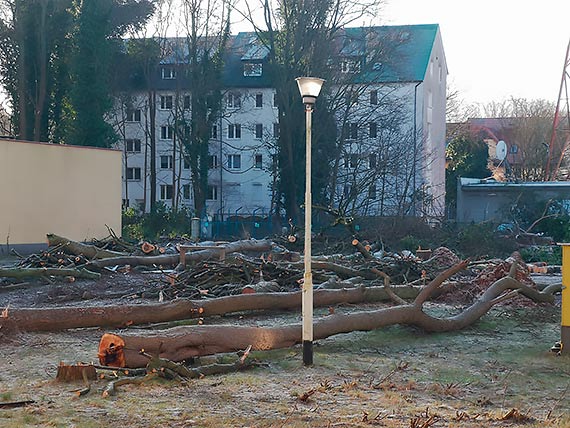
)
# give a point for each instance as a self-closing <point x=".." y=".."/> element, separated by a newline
<point x="501" y="150"/>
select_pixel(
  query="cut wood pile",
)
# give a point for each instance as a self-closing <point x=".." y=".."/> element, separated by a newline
<point x="199" y="273"/>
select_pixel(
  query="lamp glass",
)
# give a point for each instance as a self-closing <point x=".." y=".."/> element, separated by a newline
<point x="309" y="86"/>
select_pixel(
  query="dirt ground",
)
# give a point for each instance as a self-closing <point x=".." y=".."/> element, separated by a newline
<point x="498" y="373"/>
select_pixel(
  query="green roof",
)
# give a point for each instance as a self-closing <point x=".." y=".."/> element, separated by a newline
<point x="397" y="53"/>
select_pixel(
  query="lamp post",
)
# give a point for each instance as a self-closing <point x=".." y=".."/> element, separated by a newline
<point x="309" y="87"/>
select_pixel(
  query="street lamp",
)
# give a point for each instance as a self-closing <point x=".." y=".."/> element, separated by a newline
<point x="310" y="87"/>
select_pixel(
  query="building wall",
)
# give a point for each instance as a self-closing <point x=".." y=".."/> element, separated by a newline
<point x="415" y="85"/>
<point x="433" y="126"/>
<point x="481" y="200"/>
<point x="65" y="190"/>
<point x="246" y="188"/>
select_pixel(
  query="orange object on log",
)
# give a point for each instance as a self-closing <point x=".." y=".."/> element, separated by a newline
<point x="111" y="351"/>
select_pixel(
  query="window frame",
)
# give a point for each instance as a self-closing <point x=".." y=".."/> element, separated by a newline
<point x="233" y="100"/>
<point x="167" y="132"/>
<point x="170" y="75"/>
<point x="133" y="115"/>
<point x="234" y="131"/>
<point x="258" y="131"/>
<point x="373" y="129"/>
<point x="133" y="143"/>
<point x="212" y="192"/>
<point x="252" y="69"/>
<point x="258" y="161"/>
<point x="166" y="190"/>
<point x="374" y="97"/>
<point x="166" y="102"/>
<point x="234" y="161"/>
<point x="167" y="160"/>
<point x="133" y="173"/>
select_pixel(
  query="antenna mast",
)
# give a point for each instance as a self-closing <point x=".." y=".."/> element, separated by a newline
<point x="560" y="137"/>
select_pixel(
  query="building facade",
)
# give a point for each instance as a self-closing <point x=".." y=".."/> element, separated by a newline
<point x="390" y="129"/>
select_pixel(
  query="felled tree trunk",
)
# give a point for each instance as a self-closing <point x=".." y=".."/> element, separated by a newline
<point x="181" y="343"/>
<point x="232" y="247"/>
<point x="53" y="319"/>
<point x="78" y="248"/>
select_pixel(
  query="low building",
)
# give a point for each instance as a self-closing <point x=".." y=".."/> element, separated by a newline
<point x="480" y="200"/>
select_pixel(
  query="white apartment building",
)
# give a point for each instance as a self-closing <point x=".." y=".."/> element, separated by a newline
<point x="411" y="78"/>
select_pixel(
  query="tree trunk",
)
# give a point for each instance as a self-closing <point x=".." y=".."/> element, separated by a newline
<point x="172" y="259"/>
<point x="53" y="319"/>
<point x="181" y="343"/>
<point x="77" y="248"/>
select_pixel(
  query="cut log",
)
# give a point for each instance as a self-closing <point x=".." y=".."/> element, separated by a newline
<point x="182" y="343"/>
<point x="173" y="259"/>
<point x="362" y="249"/>
<point x="147" y="247"/>
<point x="20" y="273"/>
<point x="54" y="319"/>
<point x="78" y="248"/>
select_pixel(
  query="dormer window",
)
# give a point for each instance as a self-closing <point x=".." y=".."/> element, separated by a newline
<point x="350" y="66"/>
<point x="252" y="69"/>
<point x="168" y="73"/>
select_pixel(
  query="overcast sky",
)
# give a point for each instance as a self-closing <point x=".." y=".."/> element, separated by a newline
<point x="495" y="48"/>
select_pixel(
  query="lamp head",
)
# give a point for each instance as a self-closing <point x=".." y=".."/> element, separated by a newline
<point x="309" y="87"/>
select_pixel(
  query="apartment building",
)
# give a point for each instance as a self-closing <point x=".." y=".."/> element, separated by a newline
<point x="391" y="136"/>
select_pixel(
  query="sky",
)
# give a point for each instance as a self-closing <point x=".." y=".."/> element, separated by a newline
<point x="495" y="49"/>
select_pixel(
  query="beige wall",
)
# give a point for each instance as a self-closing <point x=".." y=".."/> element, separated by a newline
<point x="66" y="190"/>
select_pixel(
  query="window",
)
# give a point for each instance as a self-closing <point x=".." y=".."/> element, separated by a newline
<point x="186" y="191"/>
<point x="166" y="102"/>
<point x="165" y="191"/>
<point x="214" y="131"/>
<point x="234" y="161"/>
<point x="166" y="132"/>
<point x="374" y="97"/>
<point x="133" y="145"/>
<point x="275" y="130"/>
<point x="373" y="129"/>
<point x="186" y="102"/>
<point x="252" y="69"/>
<point x="212" y="193"/>
<point x="258" y="162"/>
<point x="258" y="130"/>
<point x="234" y="130"/>
<point x="234" y="100"/>
<point x="186" y="162"/>
<point x="372" y="191"/>
<point x="353" y="131"/>
<point x="213" y="161"/>
<point x="166" y="162"/>
<point x="133" y="174"/>
<point x="275" y="101"/>
<point x="168" y="73"/>
<point x="372" y="160"/>
<point x="258" y="100"/>
<point x="350" y="66"/>
<point x="133" y="115"/>
<point x="350" y="161"/>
